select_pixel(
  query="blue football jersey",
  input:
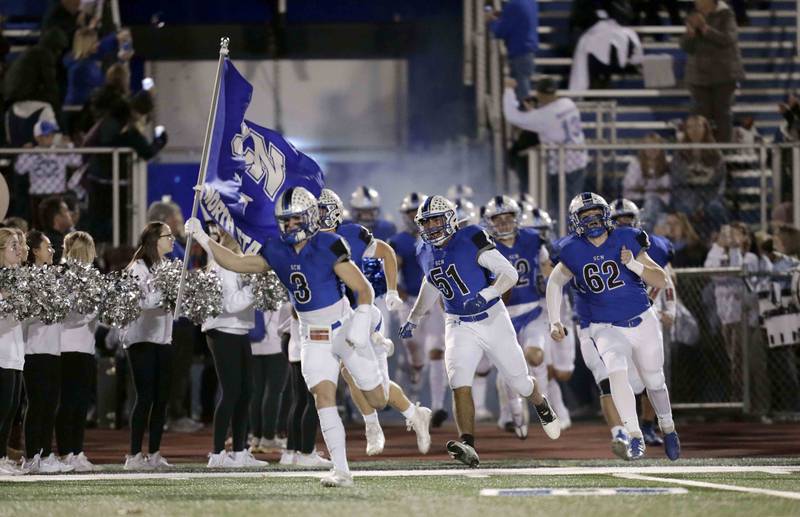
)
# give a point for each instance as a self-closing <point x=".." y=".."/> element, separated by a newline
<point x="309" y="275"/>
<point x="524" y="256"/>
<point x="580" y="299"/>
<point x="384" y="230"/>
<point x="613" y="292"/>
<point x="661" y="250"/>
<point x="358" y="238"/>
<point x="405" y="247"/>
<point x="454" y="270"/>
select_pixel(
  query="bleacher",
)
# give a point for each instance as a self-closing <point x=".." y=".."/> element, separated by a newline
<point x="768" y="47"/>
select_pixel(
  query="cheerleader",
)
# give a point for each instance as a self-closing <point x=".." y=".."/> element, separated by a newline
<point x="12" y="355"/>
<point x="42" y="375"/>
<point x="147" y="342"/>
<point x="270" y="369"/>
<point x="230" y="348"/>
<point x="78" y="366"/>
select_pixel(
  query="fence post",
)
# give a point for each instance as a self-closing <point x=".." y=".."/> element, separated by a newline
<point x="796" y="183"/>
<point x="562" y="191"/>
<point x="777" y="175"/>
<point x="745" y="355"/>
<point x="533" y="173"/>
<point x="479" y="40"/>
<point x="762" y="151"/>
<point x="115" y="197"/>
<point x="543" y="179"/>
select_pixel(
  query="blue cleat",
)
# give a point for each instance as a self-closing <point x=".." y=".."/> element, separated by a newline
<point x="637" y="448"/>
<point x="620" y="446"/>
<point x="650" y="435"/>
<point x="672" y="445"/>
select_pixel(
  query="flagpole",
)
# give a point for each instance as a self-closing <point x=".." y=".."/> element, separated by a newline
<point x="201" y="175"/>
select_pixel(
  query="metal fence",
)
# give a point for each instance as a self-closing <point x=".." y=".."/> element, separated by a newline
<point x="729" y="346"/>
<point x="127" y="179"/>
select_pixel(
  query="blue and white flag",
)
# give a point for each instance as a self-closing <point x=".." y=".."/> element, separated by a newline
<point x="249" y="166"/>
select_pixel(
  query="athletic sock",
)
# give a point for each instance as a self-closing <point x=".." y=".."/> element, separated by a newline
<point x="540" y="378"/>
<point x="371" y="418"/>
<point x="409" y="412"/>
<point x="660" y="400"/>
<point x="557" y="400"/>
<point x="438" y="381"/>
<point x="625" y="401"/>
<point x="479" y="385"/>
<point x="330" y="424"/>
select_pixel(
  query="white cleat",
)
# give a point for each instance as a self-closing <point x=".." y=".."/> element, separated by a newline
<point x="620" y="446"/>
<point x="336" y="478"/>
<point x="245" y="459"/>
<point x="519" y="417"/>
<point x="157" y="461"/>
<point x="222" y="460"/>
<point x="137" y="462"/>
<point x="375" y="439"/>
<point x="420" y="422"/>
<point x="549" y="420"/>
<point x="288" y="458"/>
<point x="312" y="460"/>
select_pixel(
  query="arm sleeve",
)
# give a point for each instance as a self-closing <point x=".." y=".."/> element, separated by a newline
<point x="505" y="274"/>
<point x="428" y="295"/>
<point x="555" y="292"/>
<point x="544" y="255"/>
<point x="670" y="300"/>
<point x="235" y="297"/>
<point x="523" y="119"/>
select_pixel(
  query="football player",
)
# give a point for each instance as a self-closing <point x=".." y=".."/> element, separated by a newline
<point x="365" y="206"/>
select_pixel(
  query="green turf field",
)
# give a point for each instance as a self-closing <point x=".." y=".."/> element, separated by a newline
<point x="408" y="490"/>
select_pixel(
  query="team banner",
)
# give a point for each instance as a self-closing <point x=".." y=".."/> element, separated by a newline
<point x="249" y="166"/>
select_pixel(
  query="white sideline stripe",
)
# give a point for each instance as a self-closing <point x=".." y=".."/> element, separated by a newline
<point x="716" y="486"/>
<point x="542" y="471"/>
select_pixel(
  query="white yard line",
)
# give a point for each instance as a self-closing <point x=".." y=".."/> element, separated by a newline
<point x="541" y="471"/>
<point x="715" y="486"/>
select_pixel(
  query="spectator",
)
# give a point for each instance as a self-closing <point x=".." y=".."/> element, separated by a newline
<point x="84" y="72"/>
<point x="714" y="64"/>
<point x="787" y="241"/>
<point x="74" y="207"/>
<point x="647" y="181"/>
<point x="689" y="249"/>
<point x="557" y="121"/>
<point x="518" y="26"/>
<point x="698" y="177"/>
<point x="55" y="222"/>
<point x="31" y="89"/>
<point x="606" y="48"/>
<point x="745" y="171"/>
<point x="16" y="222"/>
<point x="518" y="159"/>
<point x="790" y="127"/>
<point x="47" y="172"/>
<point x="63" y="15"/>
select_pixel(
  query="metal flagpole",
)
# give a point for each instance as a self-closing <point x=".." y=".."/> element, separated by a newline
<point x="201" y="175"/>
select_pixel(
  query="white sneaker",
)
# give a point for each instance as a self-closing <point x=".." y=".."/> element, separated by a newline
<point x="483" y="415"/>
<point x="312" y="459"/>
<point x="274" y="445"/>
<point x="222" y="460"/>
<point x="184" y="425"/>
<point x="51" y="464"/>
<point x="9" y="467"/>
<point x="288" y="458"/>
<point x="375" y="439"/>
<point x="82" y="463"/>
<point x="137" y="462"/>
<point x="420" y="422"/>
<point x="253" y="443"/>
<point x="336" y="478"/>
<point x="245" y="459"/>
<point x="157" y="461"/>
<point x="33" y="465"/>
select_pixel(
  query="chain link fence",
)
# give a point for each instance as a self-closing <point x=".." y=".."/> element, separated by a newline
<point x="734" y="342"/>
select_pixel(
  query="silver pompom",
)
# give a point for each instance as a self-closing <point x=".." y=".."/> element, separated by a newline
<point x="18" y="301"/>
<point x="166" y="277"/>
<point x="120" y="304"/>
<point x="268" y="291"/>
<point x="49" y="292"/>
<point x="86" y="285"/>
<point x="202" y="296"/>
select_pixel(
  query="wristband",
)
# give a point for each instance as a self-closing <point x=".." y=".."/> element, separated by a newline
<point x="489" y="293"/>
<point x="635" y="266"/>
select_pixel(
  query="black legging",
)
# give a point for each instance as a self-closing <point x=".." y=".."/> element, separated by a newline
<point x="78" y="371"/>
<point x="10" y="389"/>
<point x="269" y="382"/>
<point x="150" y="366"/>
<point x="42" y="385"/>
<point x="232" y="361"/>
<point x="303" y="419"/>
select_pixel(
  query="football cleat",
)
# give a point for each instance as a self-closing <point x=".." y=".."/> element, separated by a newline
<point x="549" y="419"/>
<point x="375" y="439"/>
<point x="637" y="447"/>
<point x="672" y="445"/>
<point x="650" y="436"/>
<point x="464" y="453"/>
<point x="620" y="446"/>
<point x="336" y="479"/>
<point x="420" y="422"/>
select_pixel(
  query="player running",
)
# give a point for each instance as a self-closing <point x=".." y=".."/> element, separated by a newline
<point x="463" y="267"/>
<point x="622" y="323"/>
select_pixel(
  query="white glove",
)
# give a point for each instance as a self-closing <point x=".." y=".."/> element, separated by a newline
<point x="194" y="228"/>
<point x="393" y="301"/>
<point x="359" y="333"/>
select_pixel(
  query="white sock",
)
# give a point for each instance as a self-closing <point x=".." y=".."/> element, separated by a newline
<point x="540" y="377"/>
<point x="372" y="418"/>
<point x="330" y="423"/>
<point x="409" y="412"/>
<point x="556" y="399"/>
<point x="625" y="402"/>
<point x="438" y="380"/>
<point x="660" y="400"/>
<point x="616" y="429"/>
<point x="479" y="392"/>
<point x="504" y="396"/>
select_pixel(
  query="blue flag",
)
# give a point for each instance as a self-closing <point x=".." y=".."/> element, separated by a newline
<point x="249" y="166"/>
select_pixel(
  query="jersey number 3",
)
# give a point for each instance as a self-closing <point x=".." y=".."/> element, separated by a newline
<point x="595" y="282"/>
<point x="439" y="279"/>
<point x="300" y="290"/>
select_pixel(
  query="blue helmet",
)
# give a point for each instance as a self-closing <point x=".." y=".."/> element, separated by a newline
<point x="588" y="201"/>
<point x="624" y="208"/>
<point x="297" y="202"/>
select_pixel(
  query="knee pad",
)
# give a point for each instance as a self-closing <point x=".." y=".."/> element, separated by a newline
<point x="522" y="384"/>
<point x="484" y="367"/>
<point x="615" y="361"/>
<point x="605" y="387"/>
<point x="534" y="356"/>
<point x="436" y="355"/>
<point x="653" y="380"/>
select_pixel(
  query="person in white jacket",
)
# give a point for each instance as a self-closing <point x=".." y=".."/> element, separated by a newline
<point x="230" y="348"/>
<point x="78" y="366"/>
<point x="148" y="343"/>
<point x="42" y="372"/>
<point x="12" y="355"/>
